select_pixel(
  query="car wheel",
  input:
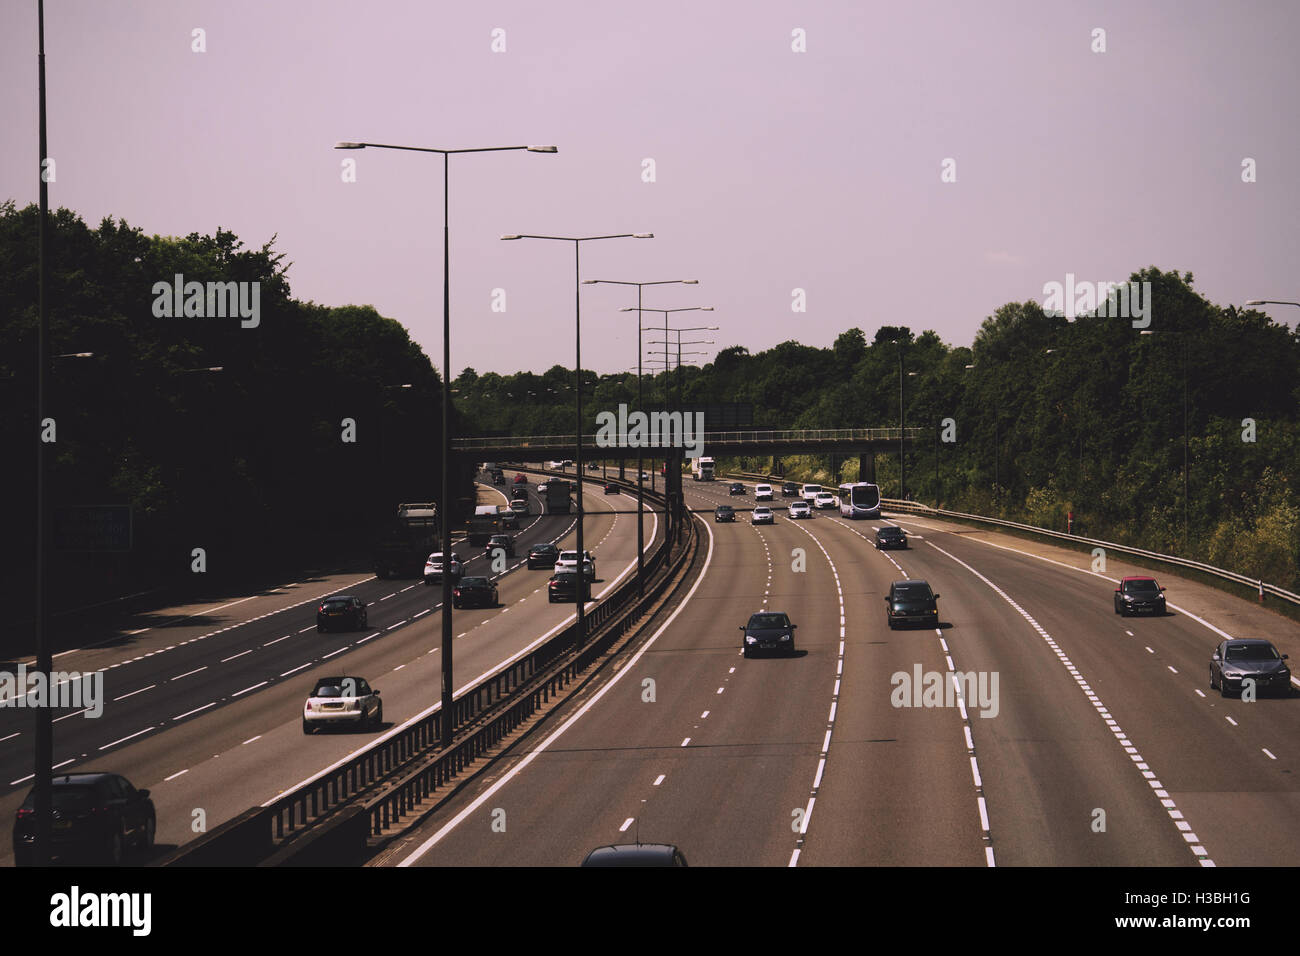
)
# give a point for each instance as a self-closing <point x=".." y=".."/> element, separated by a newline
<point x="379" y="715"/>
<point x="791" y="650"/>
<point x="320" y="628"/>
<point x="114" y="852"/>
<point x="306" y="727"/>
<point x="150" y="831"/>
<point x="744" y="651"/>
<point x="24" y="857"/>
<point x="1213" y="686"/>
<point x="1223" y="688"/>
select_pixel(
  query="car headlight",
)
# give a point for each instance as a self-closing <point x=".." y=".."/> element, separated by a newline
<point x="785" y="637"/>
<point x="750" y="639"/>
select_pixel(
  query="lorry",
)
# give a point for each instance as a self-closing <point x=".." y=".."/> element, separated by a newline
<point x="557" y="496"/>
<point x="404" y="544"/>
<point x="702" y="469"/>
<point x="485" y="523"/>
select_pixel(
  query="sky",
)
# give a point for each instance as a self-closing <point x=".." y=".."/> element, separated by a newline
<point x="792" y="157"/>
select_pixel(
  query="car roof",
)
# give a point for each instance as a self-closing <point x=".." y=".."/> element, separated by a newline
<point x="82" y="779"/>
<point x="1248" y="640"/>
<point x="632" y="854"/>
<point x="910" y="581"/>
<point x="1138" y="577"/>
<point x="339" y="597"/>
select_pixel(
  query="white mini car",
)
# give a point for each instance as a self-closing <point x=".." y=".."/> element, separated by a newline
<point x="342" y="700"/>
<point x="762" y="492"/>
<point x="826" y="500"/>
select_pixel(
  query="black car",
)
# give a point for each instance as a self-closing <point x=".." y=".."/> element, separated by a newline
<point x="1139" y="595"/>
<point x="563" y="586"/>
<point x="502" y="541"/>
<point x="1249" y="658"/>
<point x="498" y="477"/>
<point x="911" y="602"/>
<point x="542" y="556"/>
<point x="768" y="631"/>
<point x="890" y="536"/>
<point x="95" y="815"/>
<point x="789" y="490"/>
<point x="635" y="854"/>
<point x="474" y="592"/>
<point x="509" y="520"/>
<point x="736" y="488"/>
<point x="519" y="493"/>
<point x="611" y="488"/>
<point x="724" y="513"/>
<point x="341" y="610"/>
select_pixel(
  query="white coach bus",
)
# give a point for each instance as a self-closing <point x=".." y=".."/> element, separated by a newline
<point x="859" y="499"/>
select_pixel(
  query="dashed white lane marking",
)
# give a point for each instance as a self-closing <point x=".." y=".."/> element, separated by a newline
<point x="332" y="653"/>
<point x="626" y="823"/>
<point x="686" y="741"/>
<point x="1230" y="720"/>
<point x="251" y="739"/>
<point x="277" y="640"/>
<point x="703" y="715"/>
<point x="195" y="710"/>
<point x="1193" y="841"/>
<point x="10" y="737"/>
<point x="658" y="780"/>
<point x="240" y="654"/>
<point x="1268" y="752"/>
<point x="126" y="738"/>
<point x="176" y="774"/>
<point x="296" y="669"/>
<point x="134" y="692"/>
<point x="247" y="689"/>
<point x="66" y="716"/>
<point x="306" y="629"/>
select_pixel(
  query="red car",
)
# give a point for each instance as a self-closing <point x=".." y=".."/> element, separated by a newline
<point x="521" y="479"/>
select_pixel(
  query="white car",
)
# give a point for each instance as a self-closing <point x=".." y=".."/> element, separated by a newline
<point x="541" y="488"/>
<point x="519" y="506"/>
<point x="762" y="515"/>
<point x="433" y="568"/>
<point x="568" y="561"/>
<point x="809" y="492"/>
<point x="800" y="509"/>
<point x="825" y="500"/>
<point x="342" y="700"/>
<point x="762" y="492"/>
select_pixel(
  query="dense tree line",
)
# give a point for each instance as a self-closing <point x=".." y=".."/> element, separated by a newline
<point x="249" y="463"/>
<point x="1053" y="416"/>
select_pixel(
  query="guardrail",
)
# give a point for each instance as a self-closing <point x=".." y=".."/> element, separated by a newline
<point x="894" y="504"/>
<point x="260" y="832"/>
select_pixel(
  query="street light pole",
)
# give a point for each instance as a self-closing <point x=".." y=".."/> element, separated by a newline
<point x="1186" y="483"/>
<point x="640" y="457"/>
<point x="577" y="241"/>
<point x="444" y="517"/>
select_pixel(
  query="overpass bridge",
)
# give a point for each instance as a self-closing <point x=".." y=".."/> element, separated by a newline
<point x="865" y="442"/>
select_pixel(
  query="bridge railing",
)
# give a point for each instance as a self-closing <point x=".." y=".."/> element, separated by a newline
<point x="545" y="442"/>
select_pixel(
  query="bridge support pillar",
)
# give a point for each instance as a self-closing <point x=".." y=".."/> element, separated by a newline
<point x="776" y="466"/>
<point x="867" y="467"/>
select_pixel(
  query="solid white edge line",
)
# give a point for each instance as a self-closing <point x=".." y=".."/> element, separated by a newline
<point x="428" y="844"/>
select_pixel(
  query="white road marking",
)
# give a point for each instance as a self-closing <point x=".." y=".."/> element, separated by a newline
<point x="126" y="738"/>
<point x="134" y="692"/>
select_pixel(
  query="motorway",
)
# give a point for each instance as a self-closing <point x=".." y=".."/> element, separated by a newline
<point x="205" y="710"/>
<point x="1102" y="746"/>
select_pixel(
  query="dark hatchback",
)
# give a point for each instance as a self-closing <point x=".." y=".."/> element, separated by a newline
<point x="519" y="493"/>
<point x="736" y="488"/>
<point x="890" y="536"/>
<point x="509" y="520"/>
<point x="341" y="610"/>
<point x="611" y="488"/>
<point x="724" y="513"/>
<point x="474" y="592"/>
<point x="768" y="631"/>
<point x="1137" y="595"/>
<point x="502" y="541"/>
<point x="789" y="490"/>
<point x="498" y="477"/>
<point x="542" y="556"/>
<point x="563" y="586"/>
<point x="636" y="854"/>
<point x="97" y="816"/>
<point x="1249" y="658"/>
<point x="911" y="602"/>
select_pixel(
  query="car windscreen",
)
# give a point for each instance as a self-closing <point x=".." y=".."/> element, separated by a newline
<point x="768" y="620"/>
<point x="912" y="592"/>
<point x="473" y="582"/>
<point x="66" y="797"/>
<point x="1141" y="587"/>
<point x="1251" y="652"/>
<point x="335" y="603"/>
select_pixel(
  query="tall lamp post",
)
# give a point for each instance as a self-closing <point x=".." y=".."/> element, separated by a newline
<point x="444" y="518"/>
<point x="577" y="372"/>
<point x="1183" y="337"/>
<point x="640" y="459"/>
<point x="677" y="480"/>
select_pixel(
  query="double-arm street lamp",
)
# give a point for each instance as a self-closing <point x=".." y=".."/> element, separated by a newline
<point x="640" y="459"/>
<point x="444" y="518"/>
<point x="577" y="372"/>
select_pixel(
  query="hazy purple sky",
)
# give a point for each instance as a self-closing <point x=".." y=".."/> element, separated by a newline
<point x="775" y="170"/>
